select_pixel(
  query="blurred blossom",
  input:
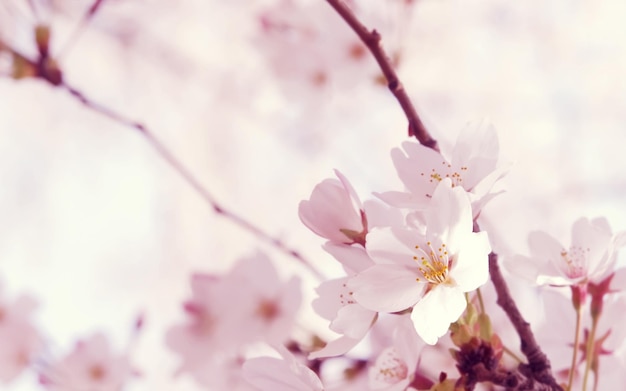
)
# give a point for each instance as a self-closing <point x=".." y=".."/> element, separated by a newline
<point x="20" y="341"/>
<point x="92" y="365"/>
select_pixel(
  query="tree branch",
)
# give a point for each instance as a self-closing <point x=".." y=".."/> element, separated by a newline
<point x="173" y="162"/>
<point x="372" y="39"/>
<point x="510" y="380"/>
<point x="538" y="366"/>
<point x="53" y="76"/>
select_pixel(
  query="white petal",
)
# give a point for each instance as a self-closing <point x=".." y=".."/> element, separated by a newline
<point x="543" y="245"/>
<point x="272" y="374"/>
<point x="353" y="258"/>
<point x="389" y="245"/>
<point x="449" y="215"/>
<point x="433" y="314"/>
<point x="471" y="268"/>
<point x="410" y="167"/>
<point x="329" y="301"/>
<point x="546" y="253"/>
<point x="522" y="266"/>
<point x="386" y="288"/>
<point x="335" y="347"/>
<point x="594" y="240"/>
<point x="353" y="320"/>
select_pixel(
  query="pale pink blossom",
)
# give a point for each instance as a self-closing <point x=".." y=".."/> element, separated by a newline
<point x="262" y="307"/>
<point x="428" y="271"/>
<point x="556" y="337"/>
<point x="353" y="258"/>
<point x="472" y="165"/>
<point x="334" y="211"/>
<point x="222" y="373"/>
<point x="19" y="339"/>
<point x="286" y="374"/>
<point x="590" y="258"/>
<point x="92" y="365"/>
<point x="227" y="313"/>
<point x="204" y="332"/>
<point x="348" y="318"/>
<point x="328" y="53"/>
<point x="395" y="367"/>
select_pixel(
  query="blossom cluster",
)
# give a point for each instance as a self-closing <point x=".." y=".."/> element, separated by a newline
<point x="415" y="265"/>
<point x="411" y="308"/>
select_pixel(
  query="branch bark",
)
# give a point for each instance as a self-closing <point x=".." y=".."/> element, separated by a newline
<point x="372" y="40"/>
<point x="538" y="366"/>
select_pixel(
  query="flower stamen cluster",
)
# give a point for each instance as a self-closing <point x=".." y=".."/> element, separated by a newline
<point x="434" y="267"/>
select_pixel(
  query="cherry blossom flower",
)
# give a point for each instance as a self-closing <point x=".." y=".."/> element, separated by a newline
<point x="261" y="306"/>
<point x="472" y="166"/>
<point x="328" y="53"/>
<point x="227" y="313"/>
<point x="204" y="333"/>
<point x="395" y="366"/>
<point x="286" y="374"/>
<point x="334" y="212"/>
<point x="90" y="366"/>
<point x="428" y="271"/>
<point x="556" y="336"/>
<point x="19" y="339"/>
<point x="590" y="258"/>
<point x="222" y="372"/>
<point x="349" y="318"/>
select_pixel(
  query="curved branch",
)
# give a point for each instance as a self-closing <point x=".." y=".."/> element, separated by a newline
<point x="538" y="366"/>
<point x="372" y="39"/>
<point x="46" y="69"/>
<point x="173" y="162"/>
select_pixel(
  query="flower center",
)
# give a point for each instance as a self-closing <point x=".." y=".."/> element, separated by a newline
<point x="96" y="372"/>
<point x="433" y="264"/>
<point x="268" y="310"/>
<point x="203" y="322"/>
<point x="575" y="261"/>
<point x="390" y="368"/>
<point x="446" y="171"/>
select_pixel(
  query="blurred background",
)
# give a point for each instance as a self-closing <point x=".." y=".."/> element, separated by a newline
<point x="261" y="100"/>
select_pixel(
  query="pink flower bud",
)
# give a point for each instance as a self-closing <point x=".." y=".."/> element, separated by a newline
<point x="334" y="212"/>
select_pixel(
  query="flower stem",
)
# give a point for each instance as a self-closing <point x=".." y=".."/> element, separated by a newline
<point x="575" y="353"/>
<point x="590" y="344"/>
<point x="480" y="300"/>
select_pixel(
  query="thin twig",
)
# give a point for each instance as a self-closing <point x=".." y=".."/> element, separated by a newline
<point x="173" y="162"/>
<point x="54" y="77"/>
<point x="372" y="39"/>
<point x="78" y="30"/>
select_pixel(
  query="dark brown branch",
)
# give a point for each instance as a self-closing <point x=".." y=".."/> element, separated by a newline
<point x="372" y="39"/>
<point x="510" y="380"/>
<point x="538" y="366"/>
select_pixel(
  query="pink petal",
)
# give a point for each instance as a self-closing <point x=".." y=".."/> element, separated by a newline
<point x="386" y="288"/>
<point x="335" y="348"/>
<point x="353" y="258"/>
<point x="353" y="321"/>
